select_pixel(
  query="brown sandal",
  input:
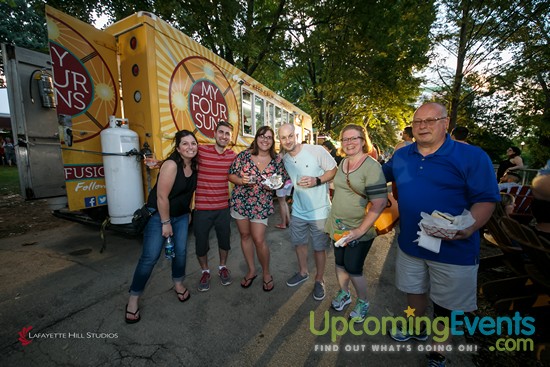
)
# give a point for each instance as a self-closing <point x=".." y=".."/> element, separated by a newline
<point x="135" y="319"/>
<point x="182" y="294"/>
<point x="246" y="281"/>
<point x="266" y="284"/>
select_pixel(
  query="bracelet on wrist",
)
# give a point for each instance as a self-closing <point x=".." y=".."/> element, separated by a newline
<point x="163" y="222"/>
<point x="318" y="179"/>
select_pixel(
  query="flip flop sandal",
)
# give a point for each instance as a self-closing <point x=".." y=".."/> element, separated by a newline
<point x="266" y="284"/>
<point x="132" y="321"/>
<point x="251" y="280"/>
<point x="184" y="299"/>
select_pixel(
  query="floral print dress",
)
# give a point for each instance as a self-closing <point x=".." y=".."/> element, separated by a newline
<point x="254" y="201"/>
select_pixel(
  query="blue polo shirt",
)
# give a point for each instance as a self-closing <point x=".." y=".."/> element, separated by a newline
<point x="450" y="180"/>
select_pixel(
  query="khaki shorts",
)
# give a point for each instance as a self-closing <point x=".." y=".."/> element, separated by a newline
<point x="453" y="287"/>
<point x="237" y="216"/>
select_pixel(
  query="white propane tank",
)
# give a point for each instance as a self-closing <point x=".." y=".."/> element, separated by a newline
<point x="122" y="173"/>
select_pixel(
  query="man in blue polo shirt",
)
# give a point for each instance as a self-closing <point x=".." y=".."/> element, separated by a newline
<point x="438" y="173"/>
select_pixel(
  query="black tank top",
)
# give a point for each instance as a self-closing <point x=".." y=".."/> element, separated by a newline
<point x="181" y="194"/>
<point x="504" y="165"/>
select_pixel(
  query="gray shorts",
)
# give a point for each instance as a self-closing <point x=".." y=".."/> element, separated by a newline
<point x="301" y="231"/>
<point x="453" y="287"/>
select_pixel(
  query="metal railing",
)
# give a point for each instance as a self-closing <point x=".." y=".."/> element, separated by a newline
<point x="526" y="174"/>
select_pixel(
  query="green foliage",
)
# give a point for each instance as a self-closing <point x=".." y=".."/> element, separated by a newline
<point x="342" y="61"/>
<point x="9" y="181"/>
<point x="354" y="60"/>
<point x="22" y="25"/>
<point x="499" y="87"/>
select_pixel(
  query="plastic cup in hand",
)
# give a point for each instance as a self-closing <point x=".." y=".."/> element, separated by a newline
<point x="151" y="161"/>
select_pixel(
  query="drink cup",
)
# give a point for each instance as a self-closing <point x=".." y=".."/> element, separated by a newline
<point x="150" y="161"/>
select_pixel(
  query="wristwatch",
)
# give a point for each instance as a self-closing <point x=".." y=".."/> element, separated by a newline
<point x="318" y="180"/>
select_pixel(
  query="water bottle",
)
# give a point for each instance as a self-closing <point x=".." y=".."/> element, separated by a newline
<point x="169" y="248"/>
<point x="344" y="231"/>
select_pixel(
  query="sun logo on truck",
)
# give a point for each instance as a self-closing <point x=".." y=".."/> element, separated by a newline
<point x="85" y="88"/>
<point x="201" y="95"/>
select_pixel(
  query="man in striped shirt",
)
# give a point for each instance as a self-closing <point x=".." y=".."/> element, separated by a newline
<point x="212" y="203"/>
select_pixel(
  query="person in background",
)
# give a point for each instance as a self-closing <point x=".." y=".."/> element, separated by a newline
<point x="310" y="168"/>
<point x="359" y="181"/>
<point x="2" y="158"/>
<point x="282" y="194"/>
<point x="540" y="207"/>
<point x="437" y="173"/>
<point x="9" y="152"/>
<point x="507" y="203"/>
<point x="212" y="203"/>
<point x="329" y="146"/>
<point x="511" y="163"/>
<point x="407" y="136"/>
<point x="379" y="156"/>
<point x="509" y="180"/>
<point x="252" y="202"/>
<point x="460" y="134"/>
<point x="541" y="183"/>
<point x="170" y="198"/>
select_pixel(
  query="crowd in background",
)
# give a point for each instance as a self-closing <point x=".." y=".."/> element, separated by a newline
<point x="7" y="152"/>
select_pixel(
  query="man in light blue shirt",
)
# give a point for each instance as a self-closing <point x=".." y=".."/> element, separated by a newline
<point x="310" y="168"/>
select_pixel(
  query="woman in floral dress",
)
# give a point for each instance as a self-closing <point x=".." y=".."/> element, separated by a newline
<point x="252" y="202"/>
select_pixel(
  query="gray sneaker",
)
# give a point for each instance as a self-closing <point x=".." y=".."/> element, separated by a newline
<point x="204" y="283"/>
<point x="318" y="291"/>
<point x="225" y="276"/>
<point x="297" y="279"/>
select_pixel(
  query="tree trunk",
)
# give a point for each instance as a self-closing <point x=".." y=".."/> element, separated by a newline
<point x="461" y="56"/>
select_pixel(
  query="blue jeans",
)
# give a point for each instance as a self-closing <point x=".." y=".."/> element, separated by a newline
<point x="153" y="247"/>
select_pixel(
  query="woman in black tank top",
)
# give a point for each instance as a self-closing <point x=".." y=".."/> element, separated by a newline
<point x="170" y="200"/>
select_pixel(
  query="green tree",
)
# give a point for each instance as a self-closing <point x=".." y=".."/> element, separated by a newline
<point x="355" y="61"/>
<point x="341" y="60"/>
<point x="527" y="82"/>
<point x="476" y="34"/>
<point x="22" y="25"/>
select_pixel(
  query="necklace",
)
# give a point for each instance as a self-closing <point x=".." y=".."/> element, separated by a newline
<point x="354" y="165"/>
<point x="261" y="161"/>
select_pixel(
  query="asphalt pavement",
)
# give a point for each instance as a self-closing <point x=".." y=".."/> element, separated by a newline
<point x="62" y="304"/>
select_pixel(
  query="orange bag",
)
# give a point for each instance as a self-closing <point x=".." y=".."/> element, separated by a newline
<point x="389" y="216"/>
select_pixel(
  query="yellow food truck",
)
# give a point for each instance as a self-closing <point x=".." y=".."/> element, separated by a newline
<point x="123" y="92"/>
